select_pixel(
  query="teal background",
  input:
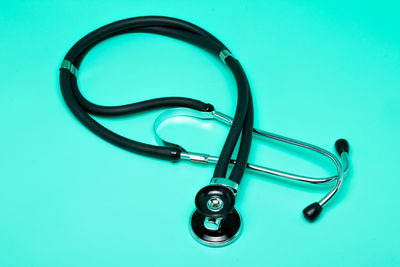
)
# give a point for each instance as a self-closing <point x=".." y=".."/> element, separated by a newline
<point x="318" y="70"/>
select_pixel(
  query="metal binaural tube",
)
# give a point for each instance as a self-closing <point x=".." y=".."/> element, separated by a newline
<point x="340" y="170"/>
<point x="205" y="158"/>
<point x="312" y="211"/>
<point x="345" y="159"/>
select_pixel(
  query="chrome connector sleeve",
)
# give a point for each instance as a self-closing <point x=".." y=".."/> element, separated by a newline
<point x="224" y="54"/>
<point x="198" y="157"/>
<point x="226" y="182"/>
<point x="66" y="64"/>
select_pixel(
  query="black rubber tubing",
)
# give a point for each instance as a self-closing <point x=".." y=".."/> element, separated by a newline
<point x="178" y="29"/>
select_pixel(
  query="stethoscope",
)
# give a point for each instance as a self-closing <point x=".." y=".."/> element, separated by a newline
<point x="215" y="222"/>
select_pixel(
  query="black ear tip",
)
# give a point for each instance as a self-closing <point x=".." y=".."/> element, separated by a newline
<point x="341" y="146"/>
<point x="312" y="211"/>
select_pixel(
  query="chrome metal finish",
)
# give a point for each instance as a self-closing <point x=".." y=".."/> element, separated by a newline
<point x="212" y="224"/>
<point x="345" y="161"/>
<point x="290" y="176"/>
<point x="174" y="112"/>
<point x="198" y="157"/>
<point x="205" y="158"/>
<point x="216" y="245"/>
<point x="222" y="117"/>
<point x="341" y="170"/>
<point x="215" y="204"/>
<point x="226" y="182"/>
<point x="224" y="54"/>
<point x="66" y="64"/>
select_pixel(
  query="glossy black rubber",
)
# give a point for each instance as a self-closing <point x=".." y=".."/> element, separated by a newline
<point x="179" y="29"/>
<point x="341" y="146"/>
<point x="312" y="211"/>
<point x="228" y="231"/>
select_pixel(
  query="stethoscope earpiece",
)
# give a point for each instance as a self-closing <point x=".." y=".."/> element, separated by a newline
<point x="312" y="211"/>
<point x="341" y="146"/>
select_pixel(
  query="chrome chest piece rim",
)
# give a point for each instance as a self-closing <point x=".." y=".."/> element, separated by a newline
<point x="229" y="230"/>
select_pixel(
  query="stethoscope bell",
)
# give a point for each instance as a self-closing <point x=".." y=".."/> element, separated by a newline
<point x="215" y="222"/>
<point x="215" y="200"/>
<point x="217" y="231"/>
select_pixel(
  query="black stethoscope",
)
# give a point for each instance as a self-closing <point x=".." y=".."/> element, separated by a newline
<point x="215" y="221"/>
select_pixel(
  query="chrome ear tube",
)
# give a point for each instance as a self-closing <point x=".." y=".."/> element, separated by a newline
<point x="311" y="212"/>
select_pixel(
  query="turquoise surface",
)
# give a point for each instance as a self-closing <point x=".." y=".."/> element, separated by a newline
<point x="318" y="71"/>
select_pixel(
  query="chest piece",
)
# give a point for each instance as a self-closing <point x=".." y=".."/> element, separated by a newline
<point x="215" y="222"/>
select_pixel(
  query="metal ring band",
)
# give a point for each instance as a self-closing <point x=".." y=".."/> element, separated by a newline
<point x="224" y="54"/>
<point x="66" y="64"/>
<point x="226" y="182"/>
